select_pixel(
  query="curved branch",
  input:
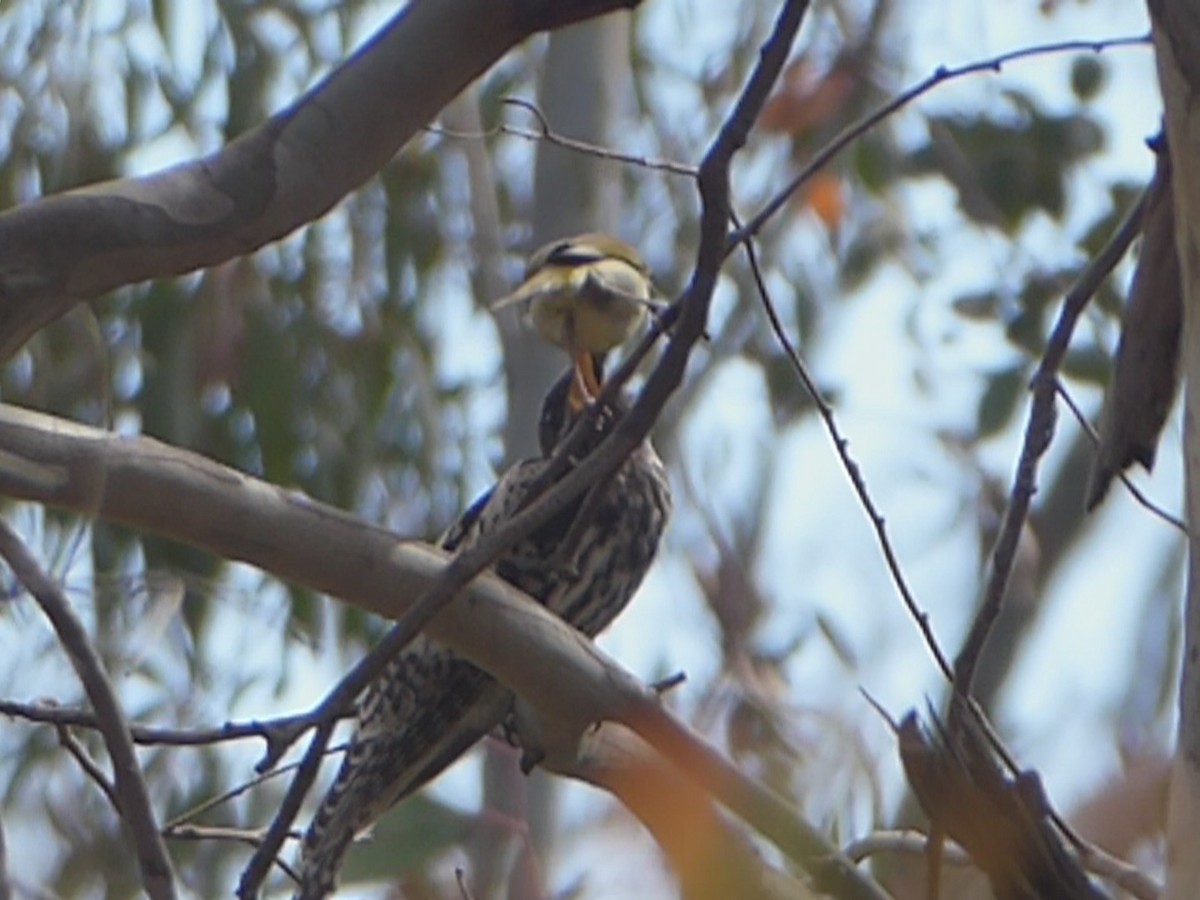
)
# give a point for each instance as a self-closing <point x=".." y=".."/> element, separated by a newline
<point x="148" y="485"/>
<point x="133" y="798"/>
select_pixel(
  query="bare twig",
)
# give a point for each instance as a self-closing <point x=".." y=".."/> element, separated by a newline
<point x="911" y="842"/>
<point x="90" y="769"/>
<point x="267" y="852"/>
<point x="1134" y="491"/>
<point x="275" y="732"/>
<point x="250" y="837"/>
<point x="158" y="878"/>
<point x="546" y="133"/>
<point x="908" y="841"/>
<point x="853" y="472"/>
<point x="460" y="878"/>
<point x="270" y="730"/>
<point x="939" y="76"/>
<point x="1125" y="876"/>
<point x="1039" y="431"/>
<point x="212" y="802"/>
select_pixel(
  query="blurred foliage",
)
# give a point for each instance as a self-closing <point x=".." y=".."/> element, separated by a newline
<point x="330" y="363"/>
<point x="1004" y="170"/>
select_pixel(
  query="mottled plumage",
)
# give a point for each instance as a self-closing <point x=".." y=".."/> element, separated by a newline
<point x="430" y="706"/>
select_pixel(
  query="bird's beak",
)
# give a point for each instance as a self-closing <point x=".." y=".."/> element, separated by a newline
<point x="509" y="299"/>
<point x="585" y="386"/>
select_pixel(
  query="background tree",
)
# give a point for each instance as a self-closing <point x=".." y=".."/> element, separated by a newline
<point x="920" y="269"/>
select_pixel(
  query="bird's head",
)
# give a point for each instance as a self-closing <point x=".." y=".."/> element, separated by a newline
<point x="587" y="294"/>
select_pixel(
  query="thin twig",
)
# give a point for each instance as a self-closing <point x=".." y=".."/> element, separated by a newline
<point x="1134" y="491"/>
<point x="68" y="742"/>
<point x="853" y="471"/>
<point x="907" y="841"/>
<point x="1039" y="431"/>
<point x="267" y="853"/>
<point x="250" y="837"/>
<point x="938" y="77"/>
<point x="550" y="136"/>
<point x="158" y="877"/>
<point x="460" y="877"/>
<point x="212" y="802"/>
<point x="150" y="735"/>
<point x="912" y="842"/>
<point x="1124" y="875"/>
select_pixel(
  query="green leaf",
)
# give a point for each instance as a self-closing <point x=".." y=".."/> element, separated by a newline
<point x="1090" y="365"/>
<point x="1088" y="76"/>
<point x="999" y="401"/>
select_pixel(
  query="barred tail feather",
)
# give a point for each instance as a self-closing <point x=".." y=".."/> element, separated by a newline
<point x="386" y="764"/>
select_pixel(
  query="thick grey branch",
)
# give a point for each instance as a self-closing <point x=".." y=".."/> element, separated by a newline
<point x="148" y="485"/>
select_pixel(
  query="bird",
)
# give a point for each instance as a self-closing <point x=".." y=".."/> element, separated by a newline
<point x="429" y="706"/>
<point x="587" y="294"/>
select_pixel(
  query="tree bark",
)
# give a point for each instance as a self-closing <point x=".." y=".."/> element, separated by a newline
<point x="1177" y="49"/>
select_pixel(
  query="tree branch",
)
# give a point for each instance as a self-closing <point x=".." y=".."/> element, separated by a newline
<point x="270" y="730"/>
<point x="1039" y="431"/>
<point x="858" y="481"/>
<point x="286" y="172"/>
<point x="134" y="806"/>
<point x="68" y="742"/>
<point x="147" y="485"/>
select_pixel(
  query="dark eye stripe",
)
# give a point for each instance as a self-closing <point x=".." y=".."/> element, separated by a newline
<point x="573" y="254"/>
